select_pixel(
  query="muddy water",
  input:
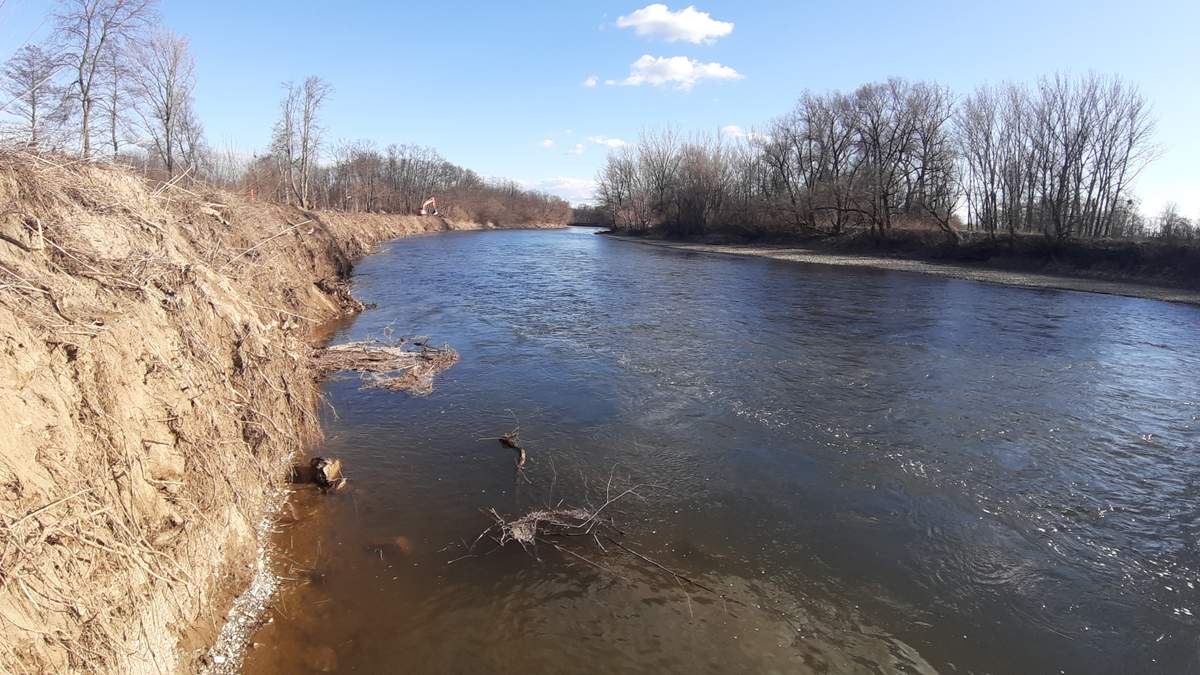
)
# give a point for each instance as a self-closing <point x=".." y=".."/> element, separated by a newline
<point x="878" y="471"/>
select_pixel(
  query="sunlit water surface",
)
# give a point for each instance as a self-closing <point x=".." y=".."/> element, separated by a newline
<point x="879" y="471"/>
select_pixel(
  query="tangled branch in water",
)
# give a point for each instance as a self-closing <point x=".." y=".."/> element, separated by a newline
<point x="401" y="365"/>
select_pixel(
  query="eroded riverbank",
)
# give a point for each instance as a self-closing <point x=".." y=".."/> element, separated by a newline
<point x="957" y="271"/>
<point x="156" y="383"/>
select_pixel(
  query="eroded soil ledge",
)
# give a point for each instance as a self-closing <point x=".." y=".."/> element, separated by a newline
<point x="154" y="384"/>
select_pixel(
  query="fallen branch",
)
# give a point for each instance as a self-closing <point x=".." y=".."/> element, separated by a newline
<point x="400" y="365"/>
<point x="512" y="440"/>
<point x="668" y="570"/>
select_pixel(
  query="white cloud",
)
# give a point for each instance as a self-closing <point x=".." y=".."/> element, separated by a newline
<point x="732" y="131"/>
<point x="737" y="133"/>
<point x="577" y="150"/>
<point x="689" y="25"/>
<point x="548" y="143"/>
<point x="681" y="71"/>
<point x="574" y="190"/>
<point x="591" y="81"/>
<point x="610" y="142"/>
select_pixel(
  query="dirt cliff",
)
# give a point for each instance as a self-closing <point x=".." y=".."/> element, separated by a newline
<point x="154" y="385"/>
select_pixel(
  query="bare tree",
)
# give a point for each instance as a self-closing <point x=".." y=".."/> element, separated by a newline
<point x="165" y="83"/>
<point x="116" y="89"/>
<point x="793" y="155"/>
<point x="704" y="183"/>
<point x="659" y="158"/>
<point x="1173" y="226"/>
<point x="193" y="152"/>
<point x="933" y="184"/>
<point x="297" y="138"/>
<point x="88" y="30"/>
<point x="315" y="91"/>
<point x="37" y="102"/>
<point x="978" y="127"/>
<point x="1059" y="160"/>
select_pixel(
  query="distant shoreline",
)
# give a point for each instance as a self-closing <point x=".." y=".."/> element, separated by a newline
<point x="953" y="270"/>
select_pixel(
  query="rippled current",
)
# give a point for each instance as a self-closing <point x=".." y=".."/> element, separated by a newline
<point x="877" y="471"/>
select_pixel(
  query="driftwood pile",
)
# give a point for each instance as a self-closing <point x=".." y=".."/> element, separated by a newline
<point x="400" y="365"/>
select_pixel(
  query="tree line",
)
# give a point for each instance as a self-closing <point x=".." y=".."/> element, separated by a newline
<point x="1056" y="158"/>
<point x="109" y="78"/>
<point x="360" y="177"/>
<point x="112" y="83"/>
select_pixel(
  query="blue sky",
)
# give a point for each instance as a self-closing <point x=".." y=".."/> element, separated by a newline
<point x="488" y="84"/>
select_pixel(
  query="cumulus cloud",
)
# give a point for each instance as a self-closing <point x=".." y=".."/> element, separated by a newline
<point x="574" y="190"/>
<point x="681" y="71"/>
<point x="577" y="150"/>
<point x="610" y="142"/>
<point x="591" y="81"/>
<point x="548" y="143"/>
<point x="688" y="25"/>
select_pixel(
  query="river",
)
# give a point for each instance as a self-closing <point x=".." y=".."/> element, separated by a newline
<point x="876" y="471"/>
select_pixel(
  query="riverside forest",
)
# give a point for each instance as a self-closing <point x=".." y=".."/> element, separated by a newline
<point x="827" y="358"/>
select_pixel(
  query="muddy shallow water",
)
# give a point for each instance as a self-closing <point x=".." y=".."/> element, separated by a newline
<point x="878" y="471"/>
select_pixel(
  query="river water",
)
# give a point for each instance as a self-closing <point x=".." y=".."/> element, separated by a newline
<point x="874" y="471"/>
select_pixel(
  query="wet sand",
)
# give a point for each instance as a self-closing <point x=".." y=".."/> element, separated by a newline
<point x="958" y="271"/>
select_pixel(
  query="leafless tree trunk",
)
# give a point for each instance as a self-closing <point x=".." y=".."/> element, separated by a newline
<point x="116" y="86"/>
<point x="88" y="29"/>
<point x="315" y="91"/>
<point x="166" y="81"/>
<point x="297" y="140"/>
<point x="1059" y="161"/>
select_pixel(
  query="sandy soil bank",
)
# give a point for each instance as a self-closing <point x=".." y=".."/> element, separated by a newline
<point x="155" y="384"/>
<point x="958" y="271"/>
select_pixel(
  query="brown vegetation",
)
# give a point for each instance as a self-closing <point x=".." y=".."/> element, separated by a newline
<point x="155" y="383"/>
<point x="1056" y="159"/>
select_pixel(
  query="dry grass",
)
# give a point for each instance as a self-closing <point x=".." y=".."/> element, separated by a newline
<point x="155" y="381"/>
